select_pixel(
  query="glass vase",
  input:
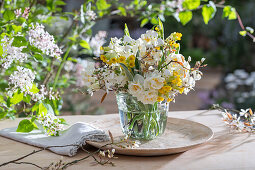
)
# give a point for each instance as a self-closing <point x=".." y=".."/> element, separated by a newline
<point x="141" y="121"/>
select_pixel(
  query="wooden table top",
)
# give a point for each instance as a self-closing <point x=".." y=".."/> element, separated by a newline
<point x="227" y="150"/>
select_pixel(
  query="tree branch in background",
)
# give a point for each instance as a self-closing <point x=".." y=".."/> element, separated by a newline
<point x="243" y="28"/>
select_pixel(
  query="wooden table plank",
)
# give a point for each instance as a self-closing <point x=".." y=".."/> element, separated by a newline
<point x="227" y="150"/>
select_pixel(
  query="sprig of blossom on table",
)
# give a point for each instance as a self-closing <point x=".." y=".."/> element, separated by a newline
<point x="51" y="124"/>
<point x="243" y="120"/>
<point x="149" y="68"/>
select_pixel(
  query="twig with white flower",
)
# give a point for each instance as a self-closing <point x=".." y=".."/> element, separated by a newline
<point x="100" y="156"/>
<point x="243" y="120"/>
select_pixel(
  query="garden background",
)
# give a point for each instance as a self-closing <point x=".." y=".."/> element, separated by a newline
<point x="228" y="79"/>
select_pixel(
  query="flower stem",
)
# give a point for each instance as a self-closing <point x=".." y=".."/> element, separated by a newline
<point x="61" y="66"/>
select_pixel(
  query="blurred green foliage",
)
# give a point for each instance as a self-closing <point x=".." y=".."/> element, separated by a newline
<point x="219" y="41"/>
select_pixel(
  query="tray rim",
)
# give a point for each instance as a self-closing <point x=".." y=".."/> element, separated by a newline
<point x="148" y="150"/>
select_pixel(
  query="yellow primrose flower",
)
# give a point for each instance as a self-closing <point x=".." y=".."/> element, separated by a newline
<point x="131" y="64"/>
<point x="121" y="59"/>
<point x="113" y="60"/>
<point x="157" y="48"/>
<point x="103" y="58"/>
<point x="132" y="58"/>
<point x="171" y="42"/>
<point x="169" y="100"/>
<point x="160" y="99"/>
<point x="167" y="88"/>
<point x="178" y="36"/>
<point x="181" y="90"/>
<point x="177" y="81"/>
<point x="156" y="28"/>
<point x="162" y="91"/>
<point x="176" y="45"/>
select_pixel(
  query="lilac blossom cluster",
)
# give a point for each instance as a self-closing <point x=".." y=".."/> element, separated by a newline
<point x="11" y="53"/>
<point x="42" y="40"/>
<point x="22" y="79"/>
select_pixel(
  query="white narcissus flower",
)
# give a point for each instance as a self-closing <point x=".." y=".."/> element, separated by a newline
<point x="135" y="89"/>
<point x="150" y="39"/>
<point x="128" y="40"/>
<point x="148" y="97"/>
<point x="97" y="42"/>
<point x="154" y="81"/>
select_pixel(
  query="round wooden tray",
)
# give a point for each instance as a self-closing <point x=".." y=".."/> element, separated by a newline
<point x="180" y="135"/>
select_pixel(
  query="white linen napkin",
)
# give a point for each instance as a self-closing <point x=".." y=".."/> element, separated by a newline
<point x="77" y="134"/>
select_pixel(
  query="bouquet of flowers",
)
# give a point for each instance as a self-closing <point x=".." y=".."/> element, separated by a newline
<point x="149" y="68"/>
<point x="149" y="71"/>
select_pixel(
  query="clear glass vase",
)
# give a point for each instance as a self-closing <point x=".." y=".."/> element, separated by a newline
<point x="141" y="121"/>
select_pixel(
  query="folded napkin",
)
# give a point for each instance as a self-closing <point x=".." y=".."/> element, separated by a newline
<point x="77" y="134"/>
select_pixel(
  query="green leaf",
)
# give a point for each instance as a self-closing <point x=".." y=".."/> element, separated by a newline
<point x="102" y="5"/>
<point x="8" y="15"/>
<point x="49" y="109"/>
<point x="226" y="11"/>
<point x="42" y="109"/>
<point x="85" y="44"/>
<point x="34" y="89"/>
<point x="1" y="99"/>
<point x="161" y="29"/>
<point x="63" y="121"/>
<point x="128" y="74"/>
<point x="232" y="14"/>
<point x="25" y="50"/>
<point x="1" y="51"/>
<point x="154" y="21"/>
<point x="144" y="22"/>
<point x="229" y="12"/>
<point x="126" y="31"/>
<point x="243" y="33"/>
<point x="60" y="3"/>
<point x="17" y="97"/>
<point x="35" y="107"/>
<point x="191" y="4"/>
<point x="208" y="12"/>
<point x="122" y="10"/>
<point x="21" y="20"/>
<point x="38" y="57"/>
<point x="17" y="28"/>
<point x="3" y="113"/>
<point x="185" y="17"/>
<point x="25" y="126"/>
<point x="19" y="41"/>
<point x="27" y="99"/>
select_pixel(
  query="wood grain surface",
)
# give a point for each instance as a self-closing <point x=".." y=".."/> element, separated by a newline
<point x="227" y="150"/>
